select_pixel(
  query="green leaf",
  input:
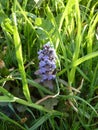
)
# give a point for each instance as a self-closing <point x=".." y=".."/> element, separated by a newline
<point x="50" y="103"/>
<point x="38" y="21"/>
<point x="39" y="122"/>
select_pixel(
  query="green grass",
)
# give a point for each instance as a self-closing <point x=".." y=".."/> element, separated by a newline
<point x="71" y="26"/>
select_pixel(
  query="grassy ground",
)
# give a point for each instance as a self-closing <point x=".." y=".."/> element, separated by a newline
<point x="72" y="28"/>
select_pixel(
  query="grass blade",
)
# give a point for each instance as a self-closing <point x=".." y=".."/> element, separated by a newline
<point x="39" y="122"/>
<point x="78" y="41"/>
<point x="18" y="48"/>
<point x="4" y="117"/>
<point x="84" y="58"/>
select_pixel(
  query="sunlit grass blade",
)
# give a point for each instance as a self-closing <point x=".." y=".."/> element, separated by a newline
<point x="6" y="99"/>
<point x="66" y="13"/>
<point x="90" y="36"/>
<point x="78" y="41"/>
<point x="84" y="58"/>
<point x="18" y="48"/>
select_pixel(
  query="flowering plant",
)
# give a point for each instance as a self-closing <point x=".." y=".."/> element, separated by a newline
<point x="47" y="66"/>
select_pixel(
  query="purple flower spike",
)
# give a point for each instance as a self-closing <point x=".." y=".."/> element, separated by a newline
<point x="39" y="52"/>
<point x="42" y="63"/>
<point x="51" y="77"/>
<point x="47" y="64"/>
<point x="42" y="70"/>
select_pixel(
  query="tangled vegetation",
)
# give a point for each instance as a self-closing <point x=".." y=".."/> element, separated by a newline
<point x="67" y="97"/>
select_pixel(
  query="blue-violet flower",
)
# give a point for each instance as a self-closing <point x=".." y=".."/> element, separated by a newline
<point x="47" y="66"/>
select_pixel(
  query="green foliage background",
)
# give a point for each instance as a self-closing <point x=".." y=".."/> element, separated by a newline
<point x="72" y="27"/>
